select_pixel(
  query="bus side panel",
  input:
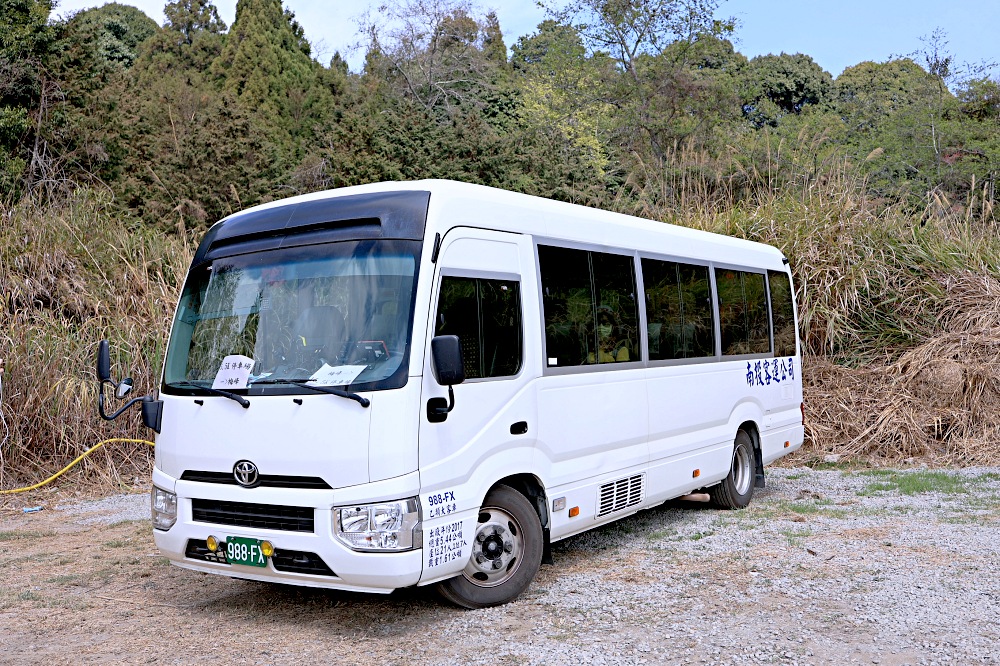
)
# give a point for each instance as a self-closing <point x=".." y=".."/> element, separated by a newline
<point x="592" y="431"/>
<point x="783" y="422"/>
<point x="584" y="495"/>
<point x="690" y="422"/>
<point x="772" y="442"/>
<point x="772" y="399"/>
<point x="590" y="424"/>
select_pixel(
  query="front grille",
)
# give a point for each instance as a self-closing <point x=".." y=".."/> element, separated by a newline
<point x="297" y="561"/>
<point x="197" y="549"/>
<point x="259" y="516"/>
<point x="266" y="480"/>
<point x="620" y="494"/>
<point x="287" y="561"/>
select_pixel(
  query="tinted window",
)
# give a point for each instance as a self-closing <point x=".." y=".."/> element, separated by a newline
<point x="782" y="313"/>
<point x="568" y="301"/>
<point x="743" y="318"/>
<point x="679" y="309"/>
<point x="617" y="321"/>
<point x="591" y="314"/>
<point x="486" y="316"/>
<point x="758" y="326"/>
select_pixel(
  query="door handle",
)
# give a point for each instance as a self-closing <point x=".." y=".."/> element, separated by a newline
<point x="519" y="428"/>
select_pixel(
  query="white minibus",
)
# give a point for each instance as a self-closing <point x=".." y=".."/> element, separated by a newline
<point x="410" y="383"/>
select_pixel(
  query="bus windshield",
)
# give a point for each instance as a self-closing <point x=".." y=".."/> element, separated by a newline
<point x="336" y="314"/>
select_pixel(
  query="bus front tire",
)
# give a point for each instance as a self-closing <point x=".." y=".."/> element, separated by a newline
<point x="506" y="553"/>
<point x="736" y="489"/>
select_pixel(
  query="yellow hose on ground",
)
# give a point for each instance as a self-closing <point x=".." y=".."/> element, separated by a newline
<point x="78" y="459"/>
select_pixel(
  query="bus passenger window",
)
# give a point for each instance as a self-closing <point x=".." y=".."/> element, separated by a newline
<point x="617" y="320"/>
<point x="591" y="315"/>
<point x="486" y="316"/>
<point x="568" y="301"/>
<point x="679" y="308"/>
<point x="742" y="312"/>
<point x="758" y="325"/>
<point x="782" y="313"/>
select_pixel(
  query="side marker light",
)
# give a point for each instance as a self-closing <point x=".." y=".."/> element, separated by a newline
<point x="574" y="512"/>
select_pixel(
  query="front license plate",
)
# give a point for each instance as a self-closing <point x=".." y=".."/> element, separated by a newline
<point x="245" y="551"/>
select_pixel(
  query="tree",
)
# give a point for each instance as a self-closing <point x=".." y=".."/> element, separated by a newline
<point x="913" y="138"/>
<point x="563" y="93"/>
<point x="437" y="53"/>
<point x="648" y="41"/>
<point x="26" y="40"/>
<point x="115" y="31"/>
<point x="265" y="64"/>
<point x="869" y="93"/>
<point x="628" y="29"/>
<point x="785" y="84"/>
<point x="190" y="18"/>
<point x="980" y="99"/>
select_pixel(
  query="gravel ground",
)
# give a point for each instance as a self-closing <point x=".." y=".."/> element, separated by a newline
<point x="824" y="567"/>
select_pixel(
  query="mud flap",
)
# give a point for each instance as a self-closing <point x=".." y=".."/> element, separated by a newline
<point x="758" y="481"/>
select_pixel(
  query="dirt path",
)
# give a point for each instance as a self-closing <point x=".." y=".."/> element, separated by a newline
<point x="824" y="568"/>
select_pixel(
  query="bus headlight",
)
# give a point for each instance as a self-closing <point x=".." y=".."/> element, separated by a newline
<point x="164" y="505"/>
<point x="385" y="527"/>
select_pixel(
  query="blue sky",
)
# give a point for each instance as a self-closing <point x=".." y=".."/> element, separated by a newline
<point x="836" y="33"/>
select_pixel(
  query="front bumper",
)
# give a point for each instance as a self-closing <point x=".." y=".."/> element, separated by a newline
<point x="313" y="558"/>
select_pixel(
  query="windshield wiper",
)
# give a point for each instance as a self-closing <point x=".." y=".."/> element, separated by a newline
<point x="232" y="396"/>
<point x="361" y="400"/>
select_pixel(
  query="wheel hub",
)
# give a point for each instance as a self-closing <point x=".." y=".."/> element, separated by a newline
<point x="496" y="549"/>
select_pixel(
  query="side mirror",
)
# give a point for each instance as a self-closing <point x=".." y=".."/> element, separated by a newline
<point x="446" y="359"/>
<point x="103" y="362"/>
<point x="152" y="410"/>
<point x="124" y="388"/>
<point x="446" y="355"/>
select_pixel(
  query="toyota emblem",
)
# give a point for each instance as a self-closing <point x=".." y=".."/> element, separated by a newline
<point x="246" y="474"/>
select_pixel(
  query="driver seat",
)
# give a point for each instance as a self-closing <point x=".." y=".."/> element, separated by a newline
<point x="319" y="332"/>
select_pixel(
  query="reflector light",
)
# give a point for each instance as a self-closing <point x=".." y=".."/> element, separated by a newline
<point x="695" y="474"/>
<point x="574" y="512"/>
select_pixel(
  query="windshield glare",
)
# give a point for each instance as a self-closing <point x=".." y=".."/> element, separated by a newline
<point x="339" y="311"/>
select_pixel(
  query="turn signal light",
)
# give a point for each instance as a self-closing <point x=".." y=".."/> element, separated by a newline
<point x="574" y="512"/>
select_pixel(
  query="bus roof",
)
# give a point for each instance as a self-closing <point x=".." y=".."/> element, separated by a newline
<point x="455" y="203"/>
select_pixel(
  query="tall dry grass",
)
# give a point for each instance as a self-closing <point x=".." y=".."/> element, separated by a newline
<point x="69" y="277"/>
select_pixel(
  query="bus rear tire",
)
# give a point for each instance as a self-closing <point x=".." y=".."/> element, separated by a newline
<point x="736" y="489"/>
<point x="506" y="553"/>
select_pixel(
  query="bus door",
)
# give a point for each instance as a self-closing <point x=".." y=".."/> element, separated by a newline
<point x="480" y="296"/>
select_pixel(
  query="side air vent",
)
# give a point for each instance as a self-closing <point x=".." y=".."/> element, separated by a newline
<point x="620" y="494"/>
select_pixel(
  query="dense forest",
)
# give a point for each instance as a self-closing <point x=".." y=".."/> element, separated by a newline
<point x="625" y="104"/>
<point x="121" y="141"/>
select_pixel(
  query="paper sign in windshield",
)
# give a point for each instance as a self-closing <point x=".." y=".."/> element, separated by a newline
<point x="341" y="375"/>
<point x="234" y="373"/>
